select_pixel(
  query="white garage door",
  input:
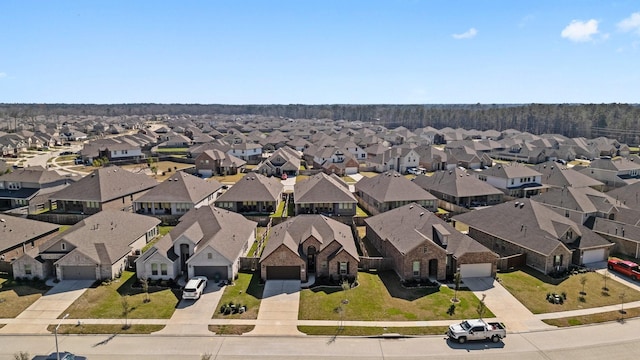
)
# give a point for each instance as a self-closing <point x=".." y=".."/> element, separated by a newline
<point x="351" y="170"/>
<point x="475" y="270"/>
<point x="206" y="173"/>
<point x="591" y="256"/>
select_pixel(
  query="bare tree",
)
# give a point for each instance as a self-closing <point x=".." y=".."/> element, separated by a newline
<point x="605" y="277"/>
<point x="583" y="282"/>
<point x="456" y="280"/>
<point x="482" y="307"/>
<point x="144" y="282"/>
<point x="126" y="310"/>
<point x="22" y="355"/>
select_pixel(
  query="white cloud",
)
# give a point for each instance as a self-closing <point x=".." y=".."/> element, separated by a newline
<point x="3" y="75"/>
<point x="469" y="34"/>
<point x="632" y="23"/>
<point x="580" y="31"/>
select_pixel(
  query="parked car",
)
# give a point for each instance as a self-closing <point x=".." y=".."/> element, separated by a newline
<point x="65" y="356"/>
<point x="414" y="171"/>
<point x="477" y="330"/>
<point x="194" y="288"/>
<point x="284" y="177"/>
<point x="628" y="268"/>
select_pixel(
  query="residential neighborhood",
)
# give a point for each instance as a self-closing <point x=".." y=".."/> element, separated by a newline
<point x="263" y="206"/>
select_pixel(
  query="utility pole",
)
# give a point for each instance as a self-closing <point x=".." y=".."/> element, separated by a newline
<point x="55" y="332"/>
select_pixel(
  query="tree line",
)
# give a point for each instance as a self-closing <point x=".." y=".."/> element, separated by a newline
<point x="621" y="121"/>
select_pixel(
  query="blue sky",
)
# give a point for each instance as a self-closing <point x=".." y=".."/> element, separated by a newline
<point x="320" y="52"/>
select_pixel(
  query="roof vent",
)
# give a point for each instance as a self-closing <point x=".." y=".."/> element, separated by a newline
<point x="521" y="205"/>
<point x="516" y="204"/>
<point x="421" y="214"/>
<point x="410" y="207"/>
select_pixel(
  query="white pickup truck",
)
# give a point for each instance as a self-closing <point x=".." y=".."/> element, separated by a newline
<point x="477" y="330"/>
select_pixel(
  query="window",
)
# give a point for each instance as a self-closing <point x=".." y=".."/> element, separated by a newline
<point x="557" y="260"/>
<point x="344" y="268"/>
<point x="27" y="269"/>
<point x="323" y="264"/>
<point x="63" y="246"/>
<point x="154" y="269"/>
<point x="163" y="269"/>
<point x="209" y="256"/>
<point x="416" y="268"/>
<point x="425" y="249"/>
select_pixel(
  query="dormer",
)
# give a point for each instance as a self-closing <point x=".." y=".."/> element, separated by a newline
<point x="442" y="234"/>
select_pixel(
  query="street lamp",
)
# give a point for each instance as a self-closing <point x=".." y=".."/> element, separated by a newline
<point x="55" y="332"/>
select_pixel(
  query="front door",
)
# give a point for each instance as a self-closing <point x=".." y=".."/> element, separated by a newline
<point x="311" y="259"/>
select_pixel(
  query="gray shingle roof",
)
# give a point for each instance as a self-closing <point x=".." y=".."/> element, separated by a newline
<point x="15" y="231"/>
<point x="585" y="200"/>
<point x="392" y="186"/>
<point x="457" y="183"/>
<point x="181" y="187"/>
<point x="33" y="174"/>
<point x="530" y="225"/>
<point x="106" y="184"/>
<point x="322" y="188"/>
<point x="106" y="236"/>
<point x="225" y="231"/>
<point x="254" y="187"/>
<point x="510" y="171"/>
<point x="409" y="226"/>
<point x="294" y="231"/>
<point x="557" y="175"/>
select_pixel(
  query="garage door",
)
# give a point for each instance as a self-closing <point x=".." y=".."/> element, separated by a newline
<point x="206" y="173"/>
<point x="78" y="272"/>
<point x="211" y="272"/>
<point x="283" y="273"/>
<point x="591" y="256"/>
<point x="475" y="270"/>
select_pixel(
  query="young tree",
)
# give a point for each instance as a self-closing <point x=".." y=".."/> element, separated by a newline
<point x="456" y="280"/>
<point x="583" y="282"/>
<point x="605" y="277"/>
<point x="481" y="307"/>
<point x="144" y="282"/>
<point x="126" y="310"/>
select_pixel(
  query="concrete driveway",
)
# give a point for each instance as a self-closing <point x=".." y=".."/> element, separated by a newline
<point x="192" y="317"/>
<point x="506" y="308"/>
<point x="45" y="311"/>
<point x="278" y="314"/>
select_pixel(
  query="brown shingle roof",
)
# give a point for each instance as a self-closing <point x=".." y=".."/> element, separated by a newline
<point x="254" y="187"/>
<point x="181" y="187"/>
<point x="392" y="186"/>
<point x="322" y="188"/>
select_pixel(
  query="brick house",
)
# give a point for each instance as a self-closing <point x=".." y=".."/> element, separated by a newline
<point x="420" y="245"/>
<point x="549" y="241"/>
<point x="308" y="244"/>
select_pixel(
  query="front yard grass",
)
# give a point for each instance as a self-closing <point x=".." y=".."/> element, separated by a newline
<point x="594" y="318"/>
<point x="16" y="297"/>
<point x="230" y="329"/>
<point x="372" y="331"/>
<point x="105" y="301"/>
<point x="106" y="329"/>
<point x="531" y="287"/>
<point x="247" y="291"/>
<point x="381" y="297"/>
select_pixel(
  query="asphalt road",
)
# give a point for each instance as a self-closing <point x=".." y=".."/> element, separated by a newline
<point x="610" y="340"/>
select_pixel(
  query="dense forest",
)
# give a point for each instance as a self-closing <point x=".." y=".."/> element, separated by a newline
<point x="620" y="121"/>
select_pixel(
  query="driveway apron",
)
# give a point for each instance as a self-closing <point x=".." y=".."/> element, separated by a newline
<point x="278" y="314"/>
<point x="45" y="311"/>
<point x="506" y="308"/>
<point x="192" y="317"/>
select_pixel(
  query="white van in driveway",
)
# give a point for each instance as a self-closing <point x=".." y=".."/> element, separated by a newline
<point x="194" y="288"/>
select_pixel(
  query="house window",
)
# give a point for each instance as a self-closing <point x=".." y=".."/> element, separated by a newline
<point x="416" y="268"/>
<point x="557" y="260"/>
<point x="425" y="249"/>
<point x="27" y="269"/>
<point x="344" y="268"/>
<point x="323" y="264"/>
<point x="63" y="246"/>
<point x="209" y="256"/>
<point x="163" y="269"/>
<point x="566" y="213"/>
<point x="569" y="234"/>
<point x="154" y="269"/>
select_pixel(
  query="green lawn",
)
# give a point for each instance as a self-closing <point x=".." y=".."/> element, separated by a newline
<point x="531" y="287"/>
<point x="247" y="291"/>
<point x="372" y="331"/>
<point x="106" y="329"/>
<point x="280" y="210"/>
<point x="594" y="318"/>
<point x="105" y="301"/>
<point x="230" y="329"/>
<point x="360" y="212"/>
<point x="172" y="150"/>
<point x="383" y="298"/>
<point x="16" y="297"/>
